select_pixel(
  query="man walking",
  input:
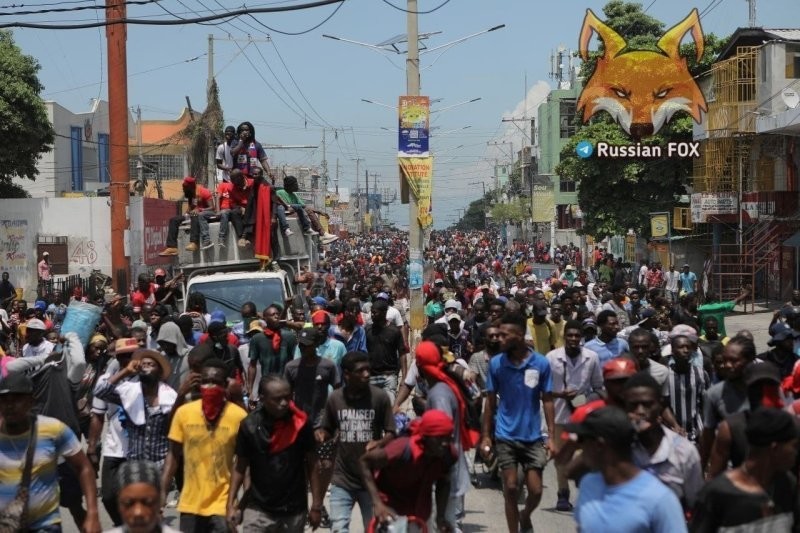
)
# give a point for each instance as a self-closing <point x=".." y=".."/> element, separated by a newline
<point x="203" y="433"/>
<point x="576" y="375"/>
<point x="386" y="350"/>
<point x="607" y="345"/>
<point x="276" y="443"/>
<point x="362" y="415"/>
<point x="518" y="380"/>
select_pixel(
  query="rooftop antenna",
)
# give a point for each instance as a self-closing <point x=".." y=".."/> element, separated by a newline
<point x="751" y="22"/>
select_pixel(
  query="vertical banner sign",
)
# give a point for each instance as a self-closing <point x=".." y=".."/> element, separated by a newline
<point x="659" y="225"/>
<point x="418" y="173"/>
<point x="413" y="127"/>
<point x="544" y="200"/>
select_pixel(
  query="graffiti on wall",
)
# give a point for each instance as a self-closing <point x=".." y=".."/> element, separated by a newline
<point x="83" y="252"/>
<point x="14" y="245"/>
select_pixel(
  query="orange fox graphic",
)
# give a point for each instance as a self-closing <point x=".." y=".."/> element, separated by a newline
<point x="641" y="89"/>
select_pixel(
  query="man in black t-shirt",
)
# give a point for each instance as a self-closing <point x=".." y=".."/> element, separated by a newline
<point x="310" y="375"/>
<point x="386" y="350"/>
<point x="362" y="416"/>
<point x="277" y="443"/>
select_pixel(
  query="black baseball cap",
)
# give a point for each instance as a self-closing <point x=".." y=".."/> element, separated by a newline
<point x="307" y="337"/>
<point x="763" y="371"/>
<point x="16" y="383"/>
<point x="609" y="423"/>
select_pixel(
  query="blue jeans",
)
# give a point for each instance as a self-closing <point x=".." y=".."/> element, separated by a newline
<point x="387" y="382"/>
<point x="202" y="219"/>
<point x="301" y="216"/>
<point x="235" y="218"/>
<point x="342" y="502"/>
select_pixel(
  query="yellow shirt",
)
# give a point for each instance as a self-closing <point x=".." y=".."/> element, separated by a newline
<point x="208" y="457"/>
<point x="542" y="335"/>
<point x="558" y="332"/>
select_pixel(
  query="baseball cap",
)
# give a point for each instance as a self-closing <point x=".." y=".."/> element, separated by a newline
<point x="383" y="296"/>
<point x="619" y="368"/>
<point x="764" y="371"/>
<point x="126" y="345"/>
<point x="190" y="181"/>
<point x="319" y="300"/>
<point x="683" y="330"/>
<point x="218" y="316"/>
<point x="610" y="423"/>
<point x="589" y="323"/>
<point x="319" y="317"/>
<point x="780" y="331"/>
<point x="16" y="383"/>
<point x="255" y="325"/>
<point x="139" y="324"/>
<point x="307" y="337"/>
<point x="570" y="267"/>
<point x="215" y="328"/>
<point x="452" y="304"/>
<point x="40" y="305"/>
<point x="35" y="323"/>
<point x="45" y="253"/>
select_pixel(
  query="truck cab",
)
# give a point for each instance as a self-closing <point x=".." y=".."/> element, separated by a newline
<point x="229" y="276"/>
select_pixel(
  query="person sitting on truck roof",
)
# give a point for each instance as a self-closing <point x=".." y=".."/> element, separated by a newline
<point x="200" y="205"/>
<point x="232" y="204"/>
<point x="307" y="216"/>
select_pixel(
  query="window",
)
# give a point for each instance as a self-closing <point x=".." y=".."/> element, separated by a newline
<point x="57" y="247"/>
<point x="792" y="61"/>
<point x="76" y="147"/>
<point x="567" y="186"/>
<point x="104" y="173"/>
<point x="566" y="113"/>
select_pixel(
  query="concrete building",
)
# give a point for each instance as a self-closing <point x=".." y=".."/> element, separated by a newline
<point x="79" y="160"/>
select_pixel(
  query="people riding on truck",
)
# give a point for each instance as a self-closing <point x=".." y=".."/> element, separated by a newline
<point x="200" y="207"/>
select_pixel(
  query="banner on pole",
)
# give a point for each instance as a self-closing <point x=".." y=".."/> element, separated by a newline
<point x="418" y="173"/>
<point x="413" y="126"/>
<point x="659" y="225"/>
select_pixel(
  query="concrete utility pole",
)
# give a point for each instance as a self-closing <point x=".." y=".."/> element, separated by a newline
<point x="116" y="37"/>
<point x="415" y="234"/>
<point x="358" y="160"/>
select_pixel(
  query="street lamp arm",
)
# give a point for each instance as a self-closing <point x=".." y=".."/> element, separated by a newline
<point x="460" y="40"/>
<point x="456" y="105"/>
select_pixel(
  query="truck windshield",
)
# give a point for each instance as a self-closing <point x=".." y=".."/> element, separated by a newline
<point x="229" y="295"/>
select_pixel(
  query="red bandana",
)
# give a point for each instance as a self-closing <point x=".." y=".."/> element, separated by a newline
<point x="275" y="335"/>
<point x="286" y="431"/>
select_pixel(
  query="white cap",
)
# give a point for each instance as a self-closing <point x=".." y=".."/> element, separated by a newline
<point x="452" y="304"/>
<point x="45" y="253"/>
<point x="35" y="323"/>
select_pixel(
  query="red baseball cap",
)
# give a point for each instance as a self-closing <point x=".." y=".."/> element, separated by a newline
<point x="190" y="181"/>
<point x="618" y="368"/>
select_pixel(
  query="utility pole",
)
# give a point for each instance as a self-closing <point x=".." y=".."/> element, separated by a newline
<point x="358" y="196"/>
<point x="116" y="48"/>
<point x="140" y="162"/>
<point x="324" y="171"/>
<point x="366" y="184"/>
<point x="375" y="192"/>
<point x="210" y="61"/>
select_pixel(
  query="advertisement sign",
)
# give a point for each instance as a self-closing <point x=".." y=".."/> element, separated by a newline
<point x="659" y="225"/>
<point x="156" y="215"/>
<point x="704" y="205"/>
<point x="544" y="200"/>
<point x="418" y="173"/>
<point x="413" y="126"/>
<point x="15" y="245"/>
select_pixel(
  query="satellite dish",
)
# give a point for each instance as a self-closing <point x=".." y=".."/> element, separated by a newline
<point x="790" y="98"/>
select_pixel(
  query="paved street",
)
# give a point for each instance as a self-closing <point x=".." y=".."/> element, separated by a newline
<point x="485" y="504"/>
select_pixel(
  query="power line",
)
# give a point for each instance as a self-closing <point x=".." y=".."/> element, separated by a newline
<point x="297" y="85"/>
<point x="404" y="10"/>
<point x="178" y="22"/>
<point x="326" y="19"/>
<point x="77" y="8"/>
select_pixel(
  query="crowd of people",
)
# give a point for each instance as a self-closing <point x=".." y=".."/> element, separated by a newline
<point x="301" y="410"/>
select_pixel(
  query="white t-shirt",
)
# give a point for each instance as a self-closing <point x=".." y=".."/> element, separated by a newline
<point x="115" y="442"/>
<point x="224" y="155"/>
<point x="44" y="348"/>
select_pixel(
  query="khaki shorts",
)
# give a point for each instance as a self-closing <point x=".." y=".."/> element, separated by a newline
<point x="528" y="455"/>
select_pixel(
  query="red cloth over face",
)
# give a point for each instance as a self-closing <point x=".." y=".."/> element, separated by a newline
<point x="432" y="423"/>
<point x="275" y="337"/>
<point x="429" y="361"/>
<point x="286" y="431"/>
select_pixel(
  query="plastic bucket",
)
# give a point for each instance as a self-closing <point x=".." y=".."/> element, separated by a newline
<point x="82" y="319"/>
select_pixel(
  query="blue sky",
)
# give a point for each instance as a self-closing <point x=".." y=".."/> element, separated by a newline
<point x="335" y="76"/>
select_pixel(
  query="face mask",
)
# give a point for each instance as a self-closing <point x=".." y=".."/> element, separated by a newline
<point x="213" y="400"/>
<point x="148" y="378"/>
<point x="493" y="346"/>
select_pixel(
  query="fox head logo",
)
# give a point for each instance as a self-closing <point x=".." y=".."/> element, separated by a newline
<point x="641" y="89"/>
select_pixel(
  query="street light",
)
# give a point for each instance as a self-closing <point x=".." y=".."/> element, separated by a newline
<point x="456" y="105"/>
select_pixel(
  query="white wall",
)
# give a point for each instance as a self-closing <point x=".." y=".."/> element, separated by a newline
<point x="86" y="222"/>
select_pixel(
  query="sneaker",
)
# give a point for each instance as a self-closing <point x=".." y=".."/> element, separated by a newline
<point x="172" y="499"/>
<point x="329" y="238"/>
<point x="168" y="251"/>
<point x="310" y="231"/>
<point x="242" y="243"/>
<point x="562" y="504"/>
<point x="207" y="245"/>
<point x="288" y="232"/>
<point x="221" y="244"/>
<point x="191" y="247"/>
<point x="325" y="520"/>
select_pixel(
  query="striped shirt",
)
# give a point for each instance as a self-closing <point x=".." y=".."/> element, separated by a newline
<point x="686" y="393"/>
<point x="53" y="440"/>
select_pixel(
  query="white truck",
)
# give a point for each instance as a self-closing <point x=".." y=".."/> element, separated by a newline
<point x="230" y="276"/>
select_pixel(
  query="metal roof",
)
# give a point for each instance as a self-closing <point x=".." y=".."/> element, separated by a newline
<point x="787" y="34"/>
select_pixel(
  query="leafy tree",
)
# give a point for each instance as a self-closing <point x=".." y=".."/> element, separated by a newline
<point x="516" y="210"/>
<point x="474" y="216"/>
<point x="25" y="131"/>
<point x="617" y="195"/>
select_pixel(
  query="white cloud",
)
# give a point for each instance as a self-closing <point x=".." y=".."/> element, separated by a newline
<point x="513" y="132"/>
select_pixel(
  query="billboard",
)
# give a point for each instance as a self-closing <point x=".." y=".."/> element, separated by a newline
<point x="418" y="173"/>
<point x="544" y="200"/>
<point x="413" y="126"/>
<point x="705" y="204"/>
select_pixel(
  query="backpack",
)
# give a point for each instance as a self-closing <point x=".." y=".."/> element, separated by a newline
<point x="198" y="321"/>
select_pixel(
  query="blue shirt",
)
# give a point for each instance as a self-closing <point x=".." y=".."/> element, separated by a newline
<point x="520" y="389"/>
<point x="687" y="282"/>
<point x="641" y="505"/>
<point x="357" y="343"/>
<point x="607" y="350"/>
